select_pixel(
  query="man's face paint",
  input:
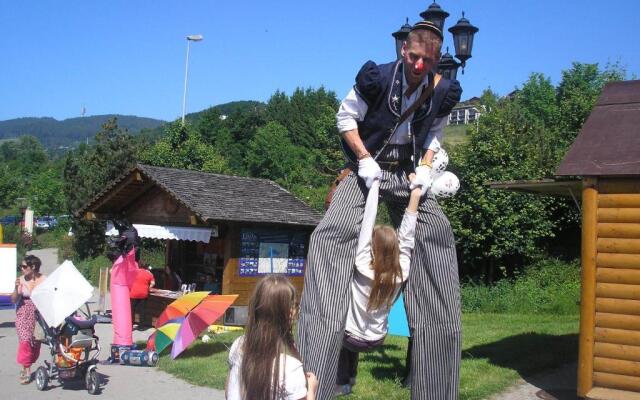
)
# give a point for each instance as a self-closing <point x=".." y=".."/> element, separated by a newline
<point x="418" y="59"/>
<point x="419" y="66"/>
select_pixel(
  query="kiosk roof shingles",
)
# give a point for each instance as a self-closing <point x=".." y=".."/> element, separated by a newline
<point x="224" y="197"/>
<point x="609" y="142"/>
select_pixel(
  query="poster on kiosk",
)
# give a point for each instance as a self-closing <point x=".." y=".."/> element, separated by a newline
<point x="8" y="273"/>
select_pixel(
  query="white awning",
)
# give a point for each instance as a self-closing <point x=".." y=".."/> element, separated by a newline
<point x="167" y="232"/>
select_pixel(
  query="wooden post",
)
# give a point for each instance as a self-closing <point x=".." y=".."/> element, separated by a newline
<point x="588" y="292"/>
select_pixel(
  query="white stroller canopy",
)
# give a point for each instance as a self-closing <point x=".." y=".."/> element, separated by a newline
<point x="61" y="294"/>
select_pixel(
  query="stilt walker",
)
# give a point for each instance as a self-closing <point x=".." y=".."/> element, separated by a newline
<point x="392" y="123"/>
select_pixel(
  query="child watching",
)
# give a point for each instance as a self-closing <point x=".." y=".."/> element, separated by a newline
<point x="264" y="363"/>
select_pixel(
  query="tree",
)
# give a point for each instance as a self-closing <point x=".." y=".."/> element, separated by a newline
<point x="309" y="118"/>
<point x="270" y="154"/>
<point x="497" y="229"/>
<point x="46" y="193"/>
<point x="20" y="161"/>
<point x="87" y="170"/>
<point x="183" y="147"/>
<point x="10" y="186"/>
<point x="521" y="137"/>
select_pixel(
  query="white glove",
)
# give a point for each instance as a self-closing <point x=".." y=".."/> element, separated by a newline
<point x="423" y="178"/>
<point x="369" y="170"/>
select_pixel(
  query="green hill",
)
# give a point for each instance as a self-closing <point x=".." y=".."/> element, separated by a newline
<point x="69" y="132"/>
<point x="226" y="109"/>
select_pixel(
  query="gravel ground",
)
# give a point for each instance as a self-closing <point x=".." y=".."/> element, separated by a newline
<point x="119" y="382"/>
<point x="555" y="385"/>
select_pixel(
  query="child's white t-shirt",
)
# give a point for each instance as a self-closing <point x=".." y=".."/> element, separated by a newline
<point x="372" y="325"/>
<point x="293" y="383"/>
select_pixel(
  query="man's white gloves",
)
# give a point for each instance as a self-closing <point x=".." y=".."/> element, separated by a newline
<point x="423" y="179"/>
<point x="369" y="170"/>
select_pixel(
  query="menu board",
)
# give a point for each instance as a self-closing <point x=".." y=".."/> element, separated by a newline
<point x="271" y="251"/>
<point x="8" y="262"/>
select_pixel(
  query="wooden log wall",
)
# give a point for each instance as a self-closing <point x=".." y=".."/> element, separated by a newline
<point x="609" y="360"/>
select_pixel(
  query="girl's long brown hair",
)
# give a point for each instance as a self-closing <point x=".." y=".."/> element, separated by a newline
<point x="386" y="267"/>
<point x="267" y="336"/>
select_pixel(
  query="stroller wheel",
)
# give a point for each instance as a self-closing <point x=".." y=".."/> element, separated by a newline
<point x="42" y="378"/>
<point x="92" y="381"/>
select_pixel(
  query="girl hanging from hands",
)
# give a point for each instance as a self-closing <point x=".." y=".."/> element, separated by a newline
<point x="382" y="265"/>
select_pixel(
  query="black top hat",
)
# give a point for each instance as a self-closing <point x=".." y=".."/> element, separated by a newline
<point x="428" y="25"/>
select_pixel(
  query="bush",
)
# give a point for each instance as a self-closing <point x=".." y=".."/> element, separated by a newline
<point x="51" y="238"/>
<point x="14" y="234"/>
<point x="548" y="286"/>
<point x="152" y="251"/>
<point x="90" y="268"/>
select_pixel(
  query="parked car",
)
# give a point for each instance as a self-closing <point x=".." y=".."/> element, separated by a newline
<point x="46" y="222"/>
<point x="42" y="223"/>
<point x="53" y="222"/>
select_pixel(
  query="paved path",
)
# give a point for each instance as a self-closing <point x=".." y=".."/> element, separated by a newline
<point x="559" y="384"/>
<point x="120" y="382"/>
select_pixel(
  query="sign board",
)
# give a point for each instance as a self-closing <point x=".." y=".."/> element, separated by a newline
<point x="267" y="251"/>
<point x="8" y="264"/>
<point x="28" y="221"/>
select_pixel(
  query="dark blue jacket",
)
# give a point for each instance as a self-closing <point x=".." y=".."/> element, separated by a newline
<point x="380" y="86"/>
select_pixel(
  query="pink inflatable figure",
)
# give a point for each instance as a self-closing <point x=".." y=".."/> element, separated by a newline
<point x="123" y="273"/>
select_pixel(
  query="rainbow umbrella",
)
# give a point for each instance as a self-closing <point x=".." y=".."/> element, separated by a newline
<point x="167" y="334"/>
<point x="203" y="315"/>
<point x="180" y="307"/>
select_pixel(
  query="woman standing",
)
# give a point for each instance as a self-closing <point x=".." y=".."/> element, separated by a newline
<point x="28" y="348"/>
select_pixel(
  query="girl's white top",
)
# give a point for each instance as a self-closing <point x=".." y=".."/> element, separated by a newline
<point x="361" y="323"/>
<point x="293" y="383"/>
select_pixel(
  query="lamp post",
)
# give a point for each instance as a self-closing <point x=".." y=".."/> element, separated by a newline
<point x="190" y="38"/>
<point x="435" y="14"/>
<point x="463" y="33"/>
<point x="448" y="66"/>
<point x="400" y="36"/>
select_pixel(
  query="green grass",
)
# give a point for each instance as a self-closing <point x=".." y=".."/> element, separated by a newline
<point x="497" y="350"/>
<point x="455" y="134"/>
<point x="51" y="238"/>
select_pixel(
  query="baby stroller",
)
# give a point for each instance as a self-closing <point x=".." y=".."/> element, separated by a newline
<point x="74" y="351"/>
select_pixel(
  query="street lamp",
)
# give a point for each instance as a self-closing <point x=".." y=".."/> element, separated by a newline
<point x="448" y="66"/>
<point x="400" y="36"/>
<point x="462" y="32"/>
<point x="190" y="38"/>
<point x="436" y="15"/>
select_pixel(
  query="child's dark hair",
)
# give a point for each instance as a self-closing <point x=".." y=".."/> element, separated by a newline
<point x="267" y="336"/>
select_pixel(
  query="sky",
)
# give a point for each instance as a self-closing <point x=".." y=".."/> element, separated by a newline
<point x="128" y="57"/>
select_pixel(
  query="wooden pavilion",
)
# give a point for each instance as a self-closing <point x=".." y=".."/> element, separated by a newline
<point x="236" y="228"/>
<point x="606" y="154"/>
<point x="602" y="167"/>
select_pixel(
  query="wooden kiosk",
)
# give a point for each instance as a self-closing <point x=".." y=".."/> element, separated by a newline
<point x="606" y="154"/>
<point x="237" y="228"/>
<point x="603" y="168"/>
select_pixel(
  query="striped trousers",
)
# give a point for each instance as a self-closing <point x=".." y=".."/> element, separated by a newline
<point x="432" y="292"/>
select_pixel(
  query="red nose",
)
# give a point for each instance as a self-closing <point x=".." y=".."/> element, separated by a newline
<point x="419" y="66"/>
